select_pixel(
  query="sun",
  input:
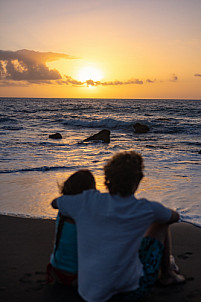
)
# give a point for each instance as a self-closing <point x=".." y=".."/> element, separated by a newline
<point x="89" y="73"/>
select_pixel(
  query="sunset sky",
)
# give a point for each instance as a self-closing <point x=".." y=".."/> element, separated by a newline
<point x="100" y="49"/>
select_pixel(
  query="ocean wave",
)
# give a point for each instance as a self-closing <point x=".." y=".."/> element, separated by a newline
<point x="7" y="119"/>
<point x="8" y="123"/>
<point x="51" y="144"/>
<point x="37" y="169"/>
<point x="103" y="123"/>
<point x="197" y="144"/>
<point x="194" y="219"/>
<point x="170" y="126"/>
<point x="11" y="128"/>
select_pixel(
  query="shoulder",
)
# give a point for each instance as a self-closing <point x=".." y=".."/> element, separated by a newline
<point x="159" y="211"/>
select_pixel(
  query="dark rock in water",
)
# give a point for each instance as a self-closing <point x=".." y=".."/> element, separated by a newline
<point x="140" y="128"/>
<point x="55" y="136"/>
<point x="199" y="152"/>
<point x="103" y="135"/>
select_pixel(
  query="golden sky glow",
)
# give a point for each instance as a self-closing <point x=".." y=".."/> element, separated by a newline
<point x="121" y="49"/>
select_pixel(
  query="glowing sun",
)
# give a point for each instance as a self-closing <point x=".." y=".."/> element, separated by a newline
<point x="89" y="73"/>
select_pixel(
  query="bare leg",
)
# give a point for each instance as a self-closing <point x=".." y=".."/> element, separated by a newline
<point x="161" y="232"/>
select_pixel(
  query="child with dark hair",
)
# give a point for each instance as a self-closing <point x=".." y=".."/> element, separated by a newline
<point x="63" y="265"/>
<point x="123" y="241"/>
<point x="123" y="173"/>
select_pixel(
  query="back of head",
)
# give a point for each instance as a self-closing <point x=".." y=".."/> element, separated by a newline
<point x="78" y="182"/>
<point x="123" y="173"/>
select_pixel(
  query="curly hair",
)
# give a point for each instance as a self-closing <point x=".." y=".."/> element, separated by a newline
<point x="123" y="172"/>
<point x="79" y="181"/>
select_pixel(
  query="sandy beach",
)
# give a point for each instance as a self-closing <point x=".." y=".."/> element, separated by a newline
<point x="26" y="245"/>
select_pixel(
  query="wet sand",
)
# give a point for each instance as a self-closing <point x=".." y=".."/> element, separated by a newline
<point x="26" y="244"/>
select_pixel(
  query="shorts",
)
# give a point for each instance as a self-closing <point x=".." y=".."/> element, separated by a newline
<point x="150" y="253"/>
<point x="54" y="275"/>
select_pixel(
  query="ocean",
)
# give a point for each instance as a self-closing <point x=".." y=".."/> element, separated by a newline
<point x="33" y="165"/>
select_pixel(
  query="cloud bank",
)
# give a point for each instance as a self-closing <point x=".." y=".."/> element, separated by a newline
<point x="69" y="80"/>
<point x="29" y="65"/>
<point x="25" y="67"/>
<point x="113" y="83"/>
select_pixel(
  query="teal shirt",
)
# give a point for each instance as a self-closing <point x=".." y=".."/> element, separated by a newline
<point x="65" y="257"/>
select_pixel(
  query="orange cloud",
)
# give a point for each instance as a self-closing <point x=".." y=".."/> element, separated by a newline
<point x="30" y="66"/>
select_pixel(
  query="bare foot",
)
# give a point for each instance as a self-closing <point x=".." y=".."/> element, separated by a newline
<point x="171" y="278"/>
<point x="173" y="266"/>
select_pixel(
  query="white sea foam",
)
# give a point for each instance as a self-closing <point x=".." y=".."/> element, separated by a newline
<point x="103" y="123"/>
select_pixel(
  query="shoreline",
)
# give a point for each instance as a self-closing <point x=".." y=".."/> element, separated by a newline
<point x="27" y="216"/>
<point x="26" y="244"/>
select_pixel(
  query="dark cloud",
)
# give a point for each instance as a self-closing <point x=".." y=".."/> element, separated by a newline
<point x="29" y="65"/>
<point x="150" y="81"/>
<point x="113" y="83"/>
<point x="116" y="83"/>
<point x="139" y="82"/>
<point x="173" y="78"/>
<point x="197" y="75"/>
<point x="92" y="83"/>
<point x="69" y="80"/>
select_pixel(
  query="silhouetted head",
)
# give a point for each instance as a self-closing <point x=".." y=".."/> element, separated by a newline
<point x="123" y="173"/>
<point x="78" y="182"/>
